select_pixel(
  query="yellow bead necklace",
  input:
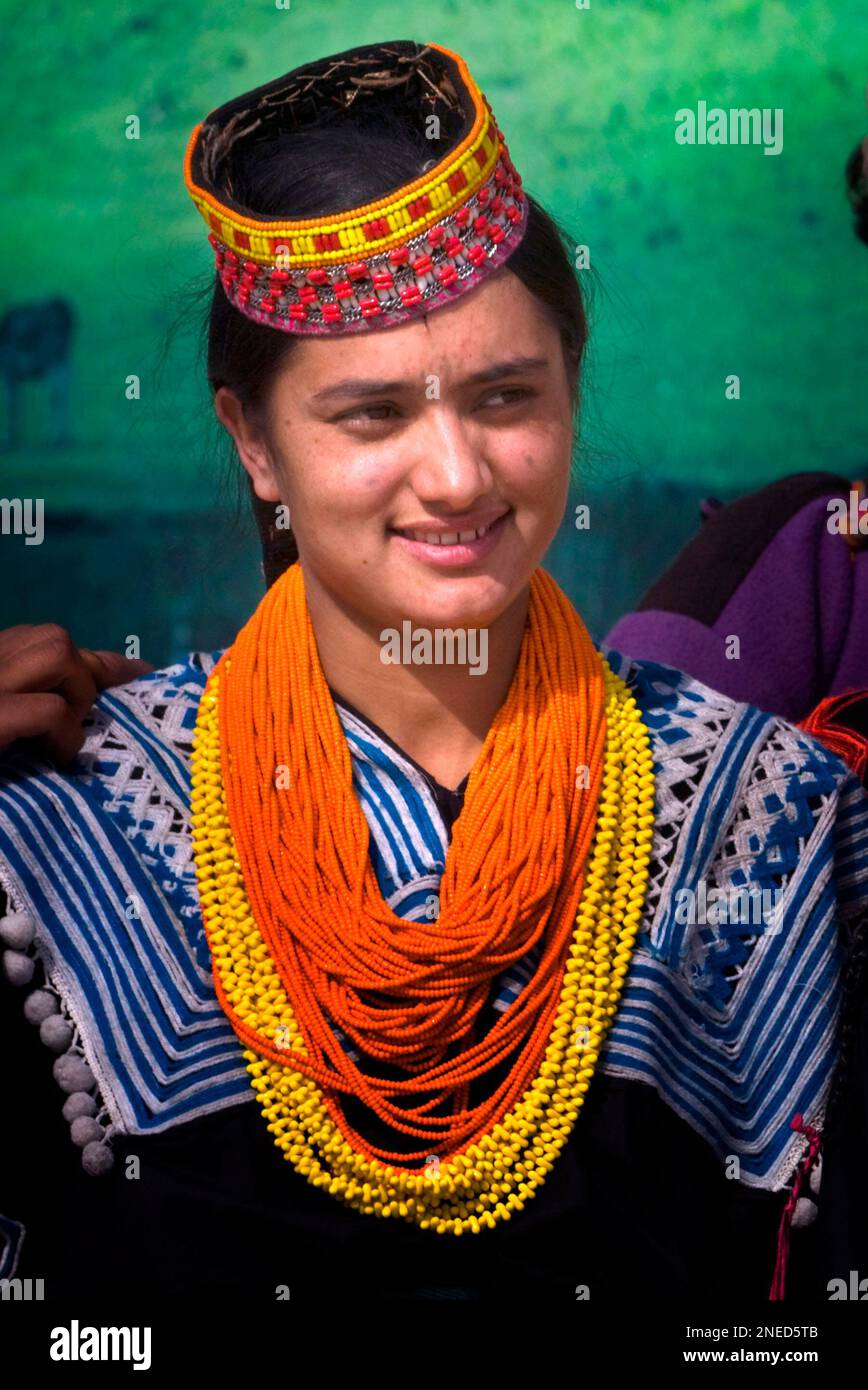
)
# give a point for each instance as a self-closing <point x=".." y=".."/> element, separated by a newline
<point x="494" y="1177"/>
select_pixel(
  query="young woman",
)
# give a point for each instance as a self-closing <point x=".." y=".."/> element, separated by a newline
<point x="413" y="946"/>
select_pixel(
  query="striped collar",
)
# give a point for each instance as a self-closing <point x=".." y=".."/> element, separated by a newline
<point x="386" y="753"/>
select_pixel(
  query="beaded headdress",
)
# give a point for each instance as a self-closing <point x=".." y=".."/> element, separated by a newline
<point x="414" y="248"/>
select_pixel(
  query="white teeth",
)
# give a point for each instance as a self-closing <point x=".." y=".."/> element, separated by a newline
<point x="448" y="537"/>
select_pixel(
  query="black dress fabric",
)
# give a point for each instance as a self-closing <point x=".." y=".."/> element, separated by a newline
<point x="211" y="1206"/>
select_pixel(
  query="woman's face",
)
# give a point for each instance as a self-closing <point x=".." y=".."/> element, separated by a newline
<point x="441" y="426"/>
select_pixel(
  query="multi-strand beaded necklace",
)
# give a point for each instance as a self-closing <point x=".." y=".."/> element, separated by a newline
<point x="552" y="846"/>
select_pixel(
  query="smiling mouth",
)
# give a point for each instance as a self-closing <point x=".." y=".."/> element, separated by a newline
<point x="447" y="537"/>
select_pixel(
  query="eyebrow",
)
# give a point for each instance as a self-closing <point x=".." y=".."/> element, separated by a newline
<point x="366" y="386"/>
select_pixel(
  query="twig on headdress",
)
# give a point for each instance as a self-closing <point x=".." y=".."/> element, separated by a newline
<point x="380" y="80"/>
<point x="339" y="85"/>
<point x="219" y="142"/>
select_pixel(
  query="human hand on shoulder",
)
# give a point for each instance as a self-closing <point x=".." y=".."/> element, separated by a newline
<point x="48" y="685"/>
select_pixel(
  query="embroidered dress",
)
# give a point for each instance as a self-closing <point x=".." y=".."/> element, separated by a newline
<point x="679" y="1164"/>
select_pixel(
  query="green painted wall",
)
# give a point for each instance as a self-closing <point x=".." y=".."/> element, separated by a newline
<point x="707" y="260"/>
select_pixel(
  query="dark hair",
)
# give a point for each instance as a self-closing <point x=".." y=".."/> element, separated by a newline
<point x="331" y="169"/>
<point x="857" y="192"/>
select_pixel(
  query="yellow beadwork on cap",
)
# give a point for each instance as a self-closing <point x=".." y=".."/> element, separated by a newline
<point x="473" y="161"/>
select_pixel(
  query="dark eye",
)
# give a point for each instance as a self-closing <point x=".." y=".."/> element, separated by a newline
<point x="516" y="392"/>
<point x="365" y="413"/>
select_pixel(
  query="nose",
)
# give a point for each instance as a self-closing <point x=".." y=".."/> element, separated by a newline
<point x="452" y="471"/>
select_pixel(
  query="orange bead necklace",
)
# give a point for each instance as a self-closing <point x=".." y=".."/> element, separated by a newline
<point x="408" y="993"/>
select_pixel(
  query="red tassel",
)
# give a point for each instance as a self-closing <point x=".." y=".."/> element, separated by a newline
<point x="776" y="1292"/>
<point x="841" y="722"/>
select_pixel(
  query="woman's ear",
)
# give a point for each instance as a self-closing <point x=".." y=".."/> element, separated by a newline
<point x="250" y="443"/>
